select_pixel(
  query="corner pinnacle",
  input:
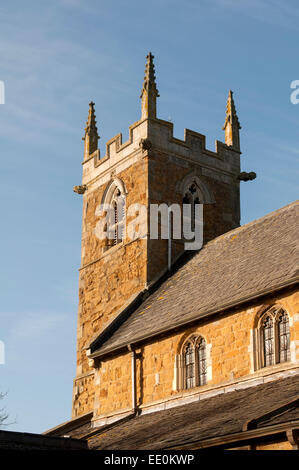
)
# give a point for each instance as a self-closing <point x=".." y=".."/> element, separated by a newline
<point x="91" y="136"/>
<point x="149" y="92"/>
<point x="231" y="124"/>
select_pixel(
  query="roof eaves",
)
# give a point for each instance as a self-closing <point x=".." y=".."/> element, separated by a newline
<point x="98" y="353"/>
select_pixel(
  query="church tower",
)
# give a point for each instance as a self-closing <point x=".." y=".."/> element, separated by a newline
<point x="152" y="167"/>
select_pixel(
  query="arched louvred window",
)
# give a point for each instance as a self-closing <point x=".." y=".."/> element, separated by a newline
<point x="117" y="218"/>
<point x="194" y="362"/>
<point x="273" y="346"/>
<point x="186" y="199"/>
<point x="283" y="327"/>
<point x="113" y="208"/>
<point x="192" y="196"/>
<point x="114" y="223"/>
<point x="268" y="341"/>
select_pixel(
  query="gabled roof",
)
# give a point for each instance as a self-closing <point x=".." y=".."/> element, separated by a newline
<point x="208" y="422"/>
<point x="241" y="265"/>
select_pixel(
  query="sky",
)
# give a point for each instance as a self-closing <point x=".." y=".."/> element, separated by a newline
<point x="57" y="56"/>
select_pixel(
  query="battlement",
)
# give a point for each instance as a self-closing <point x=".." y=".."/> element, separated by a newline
<point x="192" y="147"/>
<point x="116" y="152"/>
<point x="159" y="138"/>
<point x="152" y="137"/>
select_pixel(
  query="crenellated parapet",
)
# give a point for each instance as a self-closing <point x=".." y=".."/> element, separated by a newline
<point x="160" y="140"/>
<point x="152" y="137"/>
<point x="119" y="155"/>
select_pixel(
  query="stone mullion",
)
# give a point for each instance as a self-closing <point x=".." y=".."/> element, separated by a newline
<point x="196" y="366"/>
<point x="276" y="341"/>
<point x="182" y="369"/>
<point x="261" y="348"/>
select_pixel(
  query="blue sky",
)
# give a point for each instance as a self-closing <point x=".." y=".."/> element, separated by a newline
<point x="55" y="57"/>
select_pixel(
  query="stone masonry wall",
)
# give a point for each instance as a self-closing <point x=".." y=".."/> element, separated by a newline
<point x="107" y="279"/>
<point x="231" y="358"/>
<point x="278" y="445"/>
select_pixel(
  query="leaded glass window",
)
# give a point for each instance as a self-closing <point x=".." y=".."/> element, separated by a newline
<point x="195" y="362"/>
<point x="190" y="366"/>
<point x="202" y="362"/>
<point x="283" y="337"/>
<point x="268" y="329"/>
<point x="274" y="331"/>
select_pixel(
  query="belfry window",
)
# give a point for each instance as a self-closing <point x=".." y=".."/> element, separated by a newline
<point x="192" y="197"/>
<point x="114" y="210"/>
<point x="116" y="225"/>
<point x="194" y="362"/>
<point x="273" y="338"/>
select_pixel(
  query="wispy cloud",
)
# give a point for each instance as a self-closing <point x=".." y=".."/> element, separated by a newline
<point x="31" y="326"/>
<point x="42" y="79"/>
<point x="24" y="333"/>
<point x="290" y="149"/>
<point x="275" y="12"/>
<point x="275" y="147"/>
<point x="282" y="182"/>
<point x="81" y="4"/>
<point x="36" y="325"/>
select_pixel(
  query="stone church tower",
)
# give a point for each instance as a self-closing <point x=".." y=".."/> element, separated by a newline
<point x="179" y="346"/>
<point x="152" y="167"/>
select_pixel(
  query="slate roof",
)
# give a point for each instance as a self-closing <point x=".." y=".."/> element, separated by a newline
<point x="75" y="427"/>
<point x="218" y="416"/>
<point x="11" y="440"/>
<point x="240" y="265"/>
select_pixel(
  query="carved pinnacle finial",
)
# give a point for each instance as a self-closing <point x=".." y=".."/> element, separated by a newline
<point x="231" y="124"/>
<point x="149" y="92"/>
<point x="91" y="136"/>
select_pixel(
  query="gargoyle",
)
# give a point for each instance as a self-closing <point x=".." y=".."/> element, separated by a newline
<point x="80" y="189"/>
<point x="244" y="176"/>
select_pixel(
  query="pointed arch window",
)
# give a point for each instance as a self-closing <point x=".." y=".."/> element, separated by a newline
<point x="114" y="203"/>
<point x="283" y="337"/>
<point x="202" y="361"/>
<point x="116" y="224"/>
<point x="194" y="362"/>
<point x="268" y="341"/>
<point x="192" y="196"/>
<point x="190" y="365"/>
<point x="273" y="338"/>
